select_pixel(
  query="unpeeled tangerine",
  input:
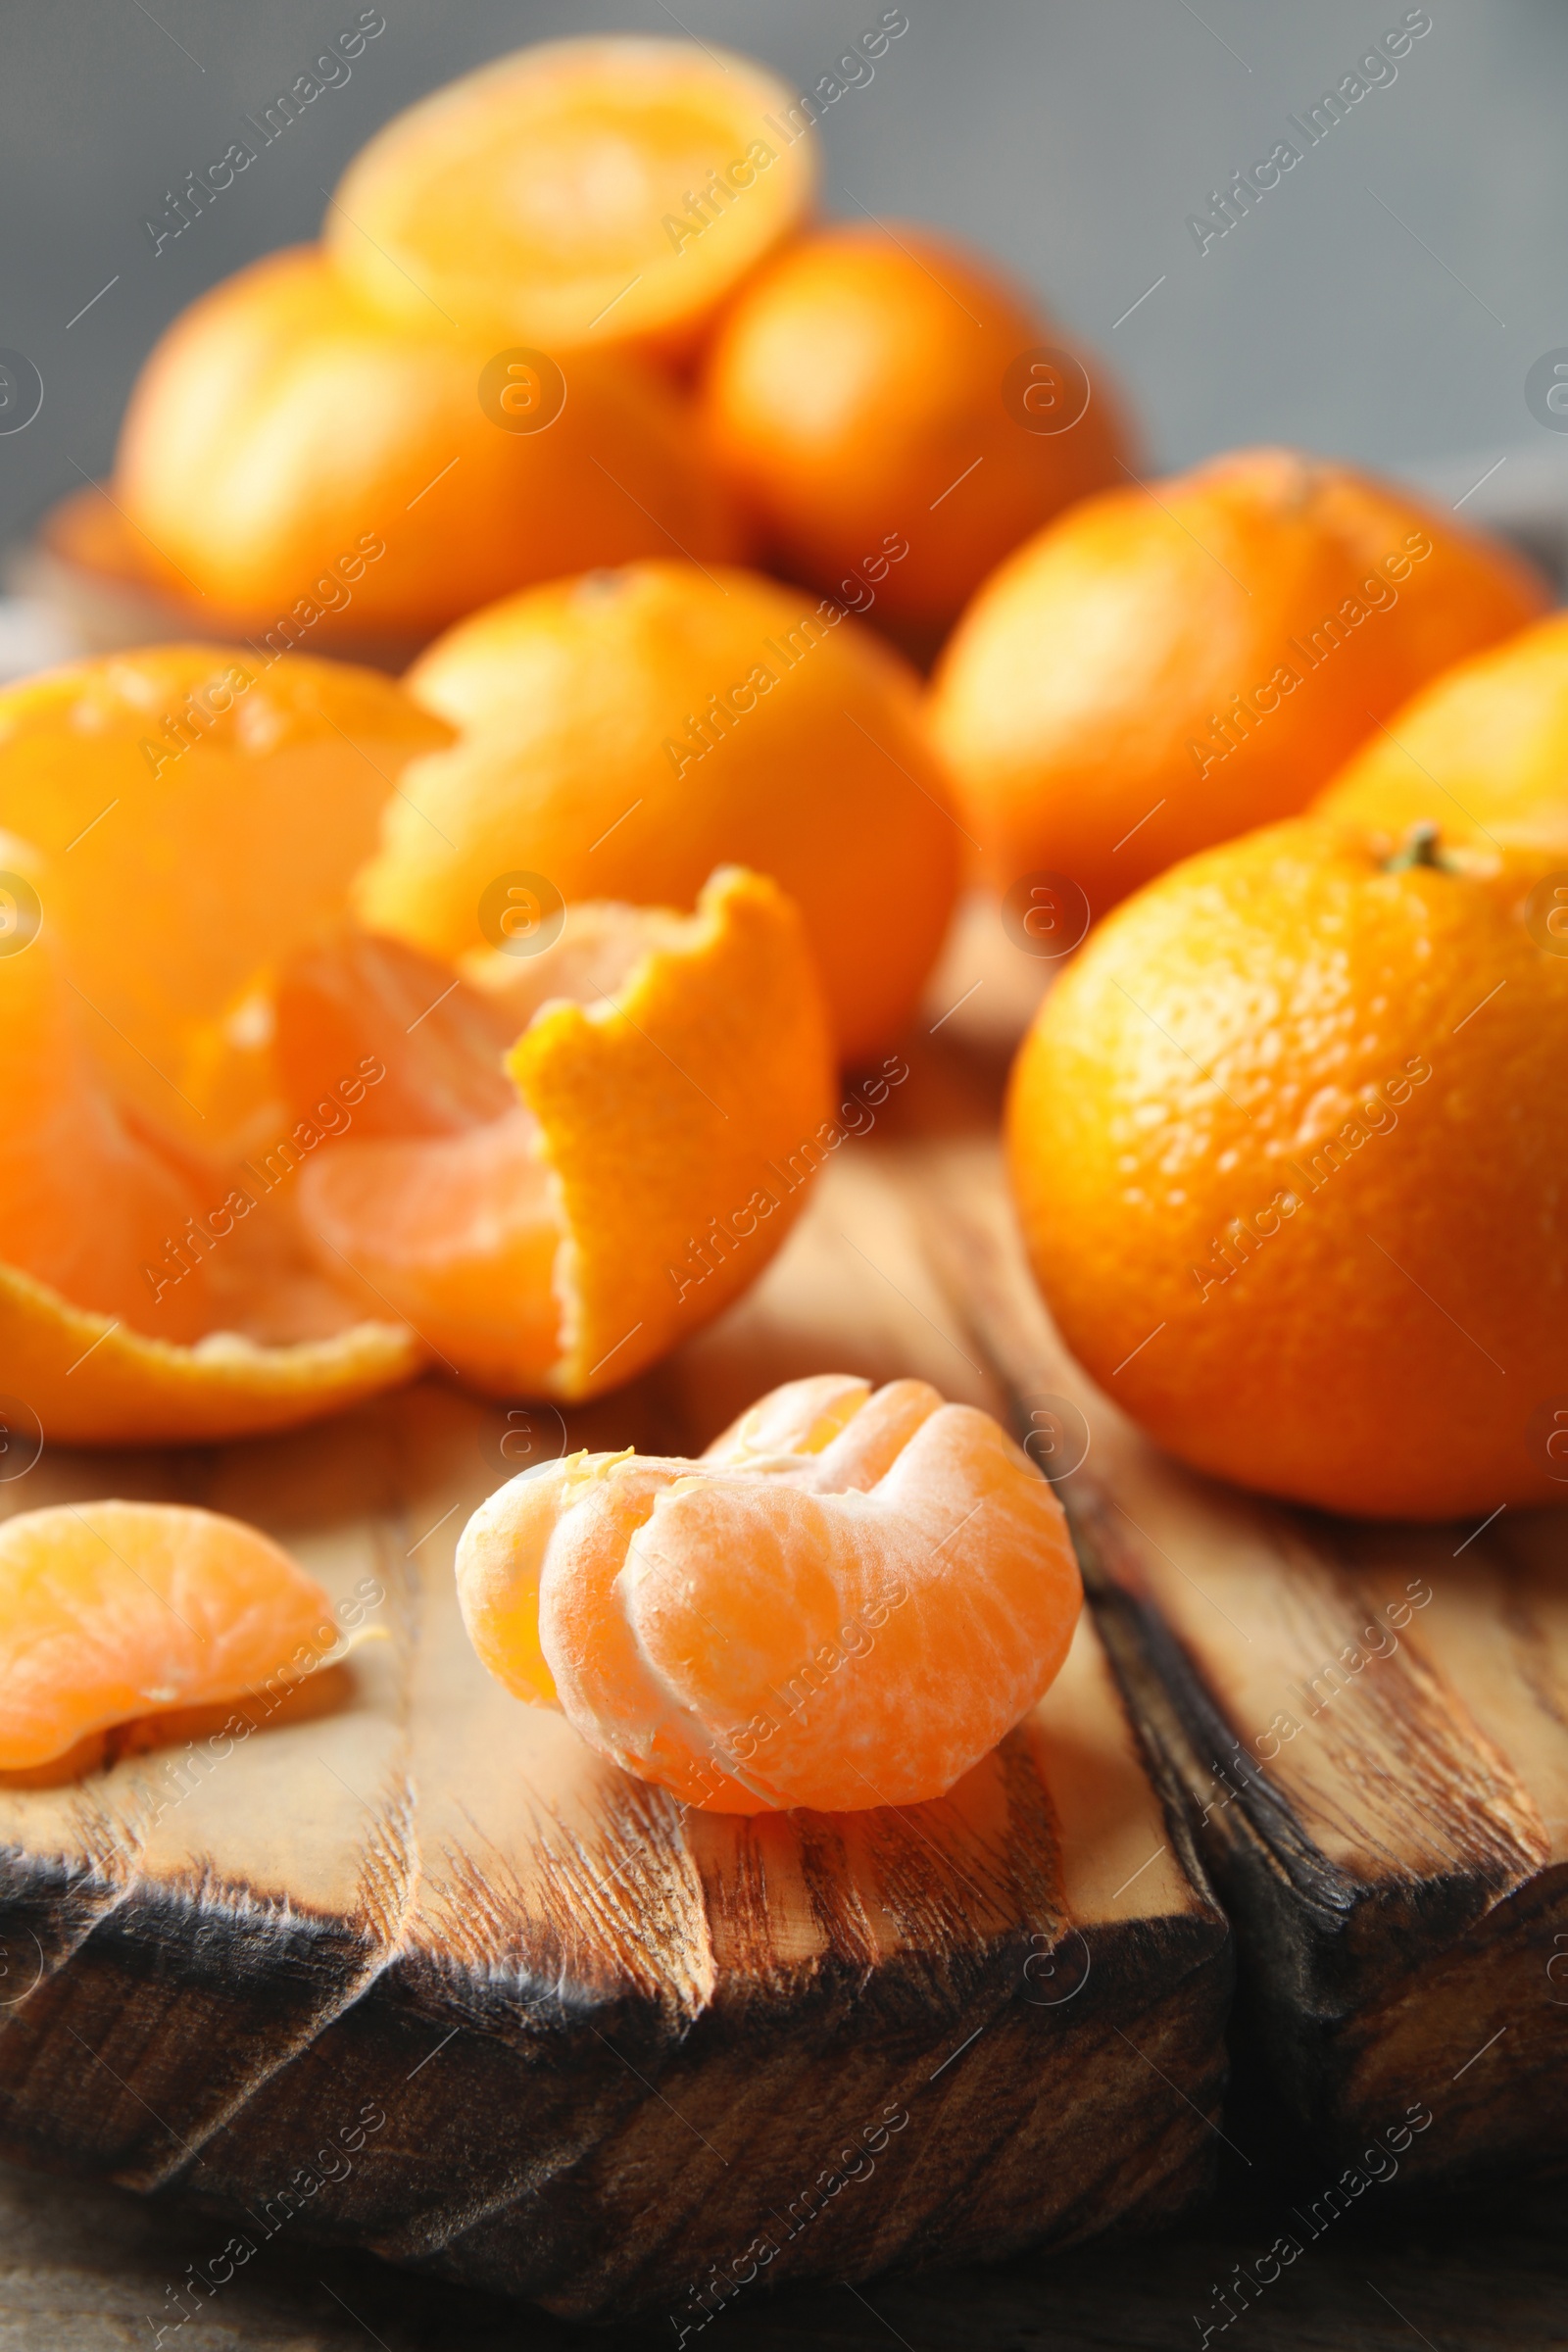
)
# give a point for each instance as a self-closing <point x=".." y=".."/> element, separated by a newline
<point x="846" y="1601"/>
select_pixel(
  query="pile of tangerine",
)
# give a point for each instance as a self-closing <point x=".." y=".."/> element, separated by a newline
<point x="491" y="1022"/>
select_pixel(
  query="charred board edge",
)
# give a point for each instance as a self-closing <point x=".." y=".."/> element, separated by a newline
<point x="560" y="2210"/>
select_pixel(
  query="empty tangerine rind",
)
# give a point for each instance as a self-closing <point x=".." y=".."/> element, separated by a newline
<point x="846" y="1602"/>
<point x="114" y="1611"/>
<point x="90" y="1381"/>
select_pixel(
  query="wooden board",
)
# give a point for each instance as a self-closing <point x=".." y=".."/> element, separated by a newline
<point x="419" y="1973"/>
<point x="1365" y="1732"/>
<point x="85" y="2267"/>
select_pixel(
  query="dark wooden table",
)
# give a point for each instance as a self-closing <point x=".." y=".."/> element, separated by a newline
<point x="96" y="2270"/>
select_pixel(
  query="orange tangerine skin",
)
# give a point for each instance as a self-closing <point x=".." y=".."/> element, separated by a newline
<point x="112" y="1611"/>
<point x="584" y="756"/>
<point x="1120" y="693"/>
<point x="202" y="814"/>
<point x="84" y="1201"/>
<point x="846" y="1601"/>
<point x="92" y="1380"/>
<point x="1482" y="751"/>
<point x="287" y="451"/>
<point x="599" y="193"/>
<point x="1287" y="1141"/>
<point x="855" y="394"/>
<point x="658" y="1145"/>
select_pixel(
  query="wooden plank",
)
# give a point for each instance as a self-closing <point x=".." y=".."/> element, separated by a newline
<point x="422" y="1974"/>
<point x="1366" y="1731"/>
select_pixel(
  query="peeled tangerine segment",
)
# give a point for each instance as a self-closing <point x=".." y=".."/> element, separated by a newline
<point x="354" y="998"/>
<point x="112" y="1611"/>
<point x="596" y="192"/>
<point x="202" y="809"/>
<point x="846" y="1601"/>
<point x="658" y="1142"/>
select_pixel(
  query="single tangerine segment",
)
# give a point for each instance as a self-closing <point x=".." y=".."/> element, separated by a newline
<point x="600" y="192"/>
<point x="658" y="1145"/>
<point x="625" y="732"/>
<point x="85" y="1201"/>
<point x="323" y="473"/>
<point x="846" y="1602"/>
<point x="1482" y="751"/>
<point x="202" y="812"/>
<point x="896" y="416"/>
<point x="112" y="1611"/>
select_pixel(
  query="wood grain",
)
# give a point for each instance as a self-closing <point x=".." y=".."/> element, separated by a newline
<point x="423" y="1975"/>
<point x="1364" y="1730"/>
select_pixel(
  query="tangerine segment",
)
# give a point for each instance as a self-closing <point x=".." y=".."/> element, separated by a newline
<point x="321" y="472"/>
<point x="664" y="1144"/>
<point x="112" y="1611"/>
<point x="627" y="732"/>
<point x="458" y="1234"/>
<point x="1482" y="751"/>
<point x="606" y="191"/>
<point x="91" y="1380"/>
<point x="86" y="1204"/>
<point x="352" y="1000"/>
<point x="836" y="1625"/>
<point x="202" y="812"/>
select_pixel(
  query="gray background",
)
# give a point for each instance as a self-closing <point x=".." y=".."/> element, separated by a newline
<point x="1071" y="136"/>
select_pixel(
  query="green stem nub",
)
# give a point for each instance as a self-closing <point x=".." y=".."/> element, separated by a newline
<point x="1420" y="848"/>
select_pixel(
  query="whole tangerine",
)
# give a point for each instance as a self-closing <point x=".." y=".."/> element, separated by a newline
<point x="624" y="733"/>
<point x="896" y="416"/>
<point x="1163" y="669"/>
<point x="308" y="465"/>
<point x="1482" y="751"/>
<point x="1288" y="1145"/>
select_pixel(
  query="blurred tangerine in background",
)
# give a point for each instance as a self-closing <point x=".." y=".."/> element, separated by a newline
<point x="1166" y="667"/>
<point x="895" y="417"/>
<point x="1482" y="751"/>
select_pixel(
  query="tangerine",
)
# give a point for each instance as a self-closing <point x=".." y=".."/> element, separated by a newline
<point x="1481" y="752"/>
<point x="656" y="1144"/>
<point x="896" y="416"/>
<point x="1287" y="1143"/>
<point x="296" y="460"/>
<point x="624" y="732"/>
<point x="846" y="1602"/>
<point x="607" y="191"/>
<point x="1159" y="669"/>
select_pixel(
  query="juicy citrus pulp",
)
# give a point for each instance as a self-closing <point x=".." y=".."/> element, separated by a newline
<point x="846" y="1601"/>
<point x="595" y="192"/>
<point x="111" y="1611"/>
